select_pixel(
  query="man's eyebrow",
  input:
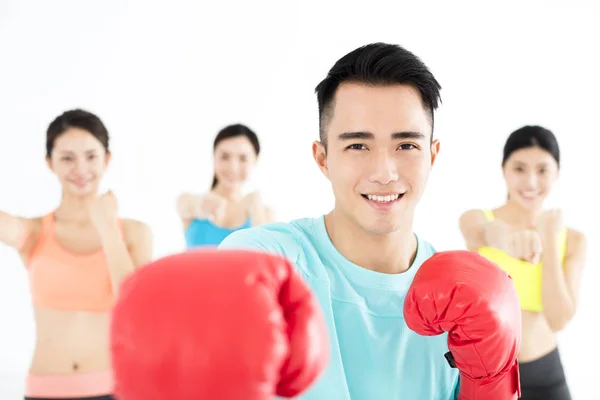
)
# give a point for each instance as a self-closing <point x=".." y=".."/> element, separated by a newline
<point x="355" y="135"/>
<point x="408" y="135"/>
<point x="368" y="135"/>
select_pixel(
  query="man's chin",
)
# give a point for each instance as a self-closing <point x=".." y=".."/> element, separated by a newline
<point x="382" y="227"/>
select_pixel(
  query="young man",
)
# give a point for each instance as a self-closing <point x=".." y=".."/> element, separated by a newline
<point x="376" y="112"/>
<point x="376" y="147"/>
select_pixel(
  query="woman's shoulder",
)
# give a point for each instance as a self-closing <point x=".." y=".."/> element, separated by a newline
<point x="471" y="212"/>
<point x="575" y="239"/>
<point x="476" y="215"/>
<point x="195" y="194"/>
<point x="134" y="230"/>
<point x="31" y="229"/>
<point x="185" y="197"/>
<point x="33" y="222"/>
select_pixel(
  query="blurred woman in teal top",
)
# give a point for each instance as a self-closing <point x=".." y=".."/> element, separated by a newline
<point x="211" y="217"/>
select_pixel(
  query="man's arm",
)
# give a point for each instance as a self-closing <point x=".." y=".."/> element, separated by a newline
<point x="276" y="239"/>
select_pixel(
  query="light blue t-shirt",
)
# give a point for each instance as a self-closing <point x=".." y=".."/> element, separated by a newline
<point x="374" y="355"/>
<point x="202" y="232"/>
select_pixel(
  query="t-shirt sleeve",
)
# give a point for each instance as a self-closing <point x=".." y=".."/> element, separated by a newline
<point x="270" y="241"/>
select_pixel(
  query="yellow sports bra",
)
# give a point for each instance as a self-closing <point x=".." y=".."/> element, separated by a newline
<point x="526" y="276"/>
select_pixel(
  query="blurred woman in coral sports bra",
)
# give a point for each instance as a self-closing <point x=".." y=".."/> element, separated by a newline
<point x="75" y="256"/>
<point x="544" y="258"/>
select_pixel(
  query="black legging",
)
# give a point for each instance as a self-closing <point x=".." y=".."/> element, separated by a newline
<point x="544" y="379"/>
<point x="107" y="397"/>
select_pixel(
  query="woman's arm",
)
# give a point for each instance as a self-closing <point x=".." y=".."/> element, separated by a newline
<point x="257" y="211"/>
<point x="140" y="242"/>
<point x="126" y="245"/>
<point x="127" y="251"/>
<point x="190" y="206"/>
<point x="560" y="286"/>
<point x="264" y="215"/>
<point x="478" y="231"/>
<point x="16" y="232"/>
<point x="269" y="215"/>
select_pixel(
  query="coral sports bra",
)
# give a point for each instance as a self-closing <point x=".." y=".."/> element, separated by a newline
<point x="62" y="280"/>
<point x="526" y="276"/>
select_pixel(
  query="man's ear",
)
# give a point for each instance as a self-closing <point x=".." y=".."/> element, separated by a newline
<point x="435" y="150"/>
<point x="320" y="155"/>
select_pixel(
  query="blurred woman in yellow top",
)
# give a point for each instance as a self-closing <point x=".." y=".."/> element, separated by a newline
<point x="544" y="258"/>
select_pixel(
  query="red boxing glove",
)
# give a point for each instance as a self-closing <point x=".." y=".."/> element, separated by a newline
<point x="471" y="298"/>
<point x="216" y="324"/>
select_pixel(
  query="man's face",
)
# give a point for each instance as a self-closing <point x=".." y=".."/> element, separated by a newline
<point x="379" y="154"/>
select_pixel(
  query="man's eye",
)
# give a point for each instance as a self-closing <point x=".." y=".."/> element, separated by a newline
<point x="407" y="146"/>
<point x="356" y="147"/>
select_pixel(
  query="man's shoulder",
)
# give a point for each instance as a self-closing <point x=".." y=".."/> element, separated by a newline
<point x="283" y="238"/>
<point x="273" y="230"/>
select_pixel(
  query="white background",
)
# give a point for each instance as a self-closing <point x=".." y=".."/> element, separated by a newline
<point x="165" y="78"/>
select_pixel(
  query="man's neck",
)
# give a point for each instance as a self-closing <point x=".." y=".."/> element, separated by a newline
<point x="391" y="253"/>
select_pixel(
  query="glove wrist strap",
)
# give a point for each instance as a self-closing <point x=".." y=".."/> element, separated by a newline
<point x="504" y="386"/>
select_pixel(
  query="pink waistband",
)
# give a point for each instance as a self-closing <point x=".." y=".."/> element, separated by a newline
<point x="75" y="385"/>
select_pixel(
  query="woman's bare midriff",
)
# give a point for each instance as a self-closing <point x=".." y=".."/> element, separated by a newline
<point x="70" y="342"/>
<point x="538" y="339"/>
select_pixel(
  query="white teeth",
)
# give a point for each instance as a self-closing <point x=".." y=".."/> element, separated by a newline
<point x="383" y="199"/>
